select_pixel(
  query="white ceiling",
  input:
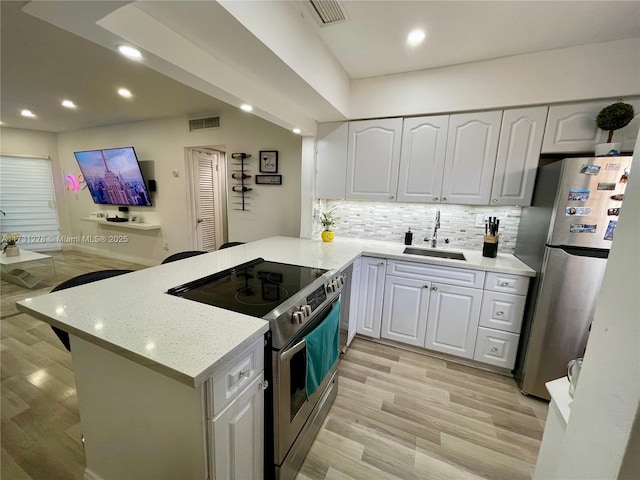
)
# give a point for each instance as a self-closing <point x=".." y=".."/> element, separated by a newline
<point x="43" y="64"/>
<point x="372" y="41"/>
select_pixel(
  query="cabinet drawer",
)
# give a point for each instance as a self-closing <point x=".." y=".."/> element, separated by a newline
<point x="436" y="273"/>
<point x="502" y="311"/>
<point x="506" y="283"/>
<point x="496" y="347"/>
<point x="231" y="380"/>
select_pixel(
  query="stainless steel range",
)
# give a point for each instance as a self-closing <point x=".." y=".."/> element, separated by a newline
<point x="300" y="303"/>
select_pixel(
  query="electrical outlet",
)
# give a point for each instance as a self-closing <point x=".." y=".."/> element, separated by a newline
<point x="481" y="219"/>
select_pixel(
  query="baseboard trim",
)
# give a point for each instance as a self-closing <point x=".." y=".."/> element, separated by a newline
<point x="440" y="355"/>
<point x="115" y="256"/>
<point x="89" y="475"/>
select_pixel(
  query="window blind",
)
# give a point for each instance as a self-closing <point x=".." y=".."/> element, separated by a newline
<point x="28" y="201"/>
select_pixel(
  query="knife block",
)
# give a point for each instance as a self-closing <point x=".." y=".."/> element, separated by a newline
<point x="490" y="246"/>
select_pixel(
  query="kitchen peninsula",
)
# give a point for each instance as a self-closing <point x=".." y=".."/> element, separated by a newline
<point x="146" y="363"/>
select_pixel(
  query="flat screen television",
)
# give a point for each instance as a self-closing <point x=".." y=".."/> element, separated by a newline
<point x="113" y="176"/>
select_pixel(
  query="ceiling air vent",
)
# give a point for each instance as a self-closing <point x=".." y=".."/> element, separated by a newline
<point x="204" y="123"/>
<point x="329" y="11"/>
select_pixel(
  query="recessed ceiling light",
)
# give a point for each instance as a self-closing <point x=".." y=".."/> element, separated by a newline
<point x="416" y="37"/>
<point x="130" y="52"/>
<point x="297" y="130"/>
<point x="246" y="107"/>
<point x="123" y="92"/>
<point x="68" y="104"/>
<point x="27" y="113"/>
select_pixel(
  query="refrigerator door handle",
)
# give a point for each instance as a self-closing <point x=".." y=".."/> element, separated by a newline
<point x="583" y="251"/>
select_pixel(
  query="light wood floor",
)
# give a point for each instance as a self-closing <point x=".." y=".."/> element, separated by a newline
<point x="398" y="414"/>
<point x="403" y="415"/>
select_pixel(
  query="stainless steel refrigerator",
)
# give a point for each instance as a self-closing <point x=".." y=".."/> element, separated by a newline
<point x="565" y="236"/>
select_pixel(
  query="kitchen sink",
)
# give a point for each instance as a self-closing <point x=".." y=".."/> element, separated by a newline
<point x="434" y="253"/>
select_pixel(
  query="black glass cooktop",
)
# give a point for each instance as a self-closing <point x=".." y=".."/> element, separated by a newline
<point x="253" y="288"/>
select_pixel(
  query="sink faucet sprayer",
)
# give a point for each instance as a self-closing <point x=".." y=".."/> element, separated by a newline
<point x="434" y="237"/>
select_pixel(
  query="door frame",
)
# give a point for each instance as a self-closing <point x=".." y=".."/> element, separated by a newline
<point x="221" y="222"/>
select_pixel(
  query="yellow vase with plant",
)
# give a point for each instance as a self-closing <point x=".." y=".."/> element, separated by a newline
<point x="9" y="247"/>
<point x="328" y="220"/>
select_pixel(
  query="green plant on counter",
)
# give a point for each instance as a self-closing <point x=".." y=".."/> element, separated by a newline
<point x="9" y="239"/>
<point x="328" y="219"/>
<point x="614" y="117"/>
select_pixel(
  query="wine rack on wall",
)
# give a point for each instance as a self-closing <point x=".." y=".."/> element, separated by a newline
<point x="239" y="175"/>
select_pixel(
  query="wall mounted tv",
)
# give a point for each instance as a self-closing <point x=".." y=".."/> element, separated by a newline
<point x="113" y="176"/>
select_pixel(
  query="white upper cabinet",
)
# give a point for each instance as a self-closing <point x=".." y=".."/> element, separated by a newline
<point x="628" y="134"/>
<point x="331" y="160"/>
<point x="518" y="155"/>
<point x="424" y="143"/>
<point x="373" y="159"/>
<point x="572" y="128"/>
<point x="472" y="145"/>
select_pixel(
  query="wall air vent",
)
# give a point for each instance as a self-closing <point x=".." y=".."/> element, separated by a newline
<point x="204" y="123"/>
<point x="329" y="11"/>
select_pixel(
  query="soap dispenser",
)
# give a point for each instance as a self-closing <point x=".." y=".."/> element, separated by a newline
<point x="408" y="237"/>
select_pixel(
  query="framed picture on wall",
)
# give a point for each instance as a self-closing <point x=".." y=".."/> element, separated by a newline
<point x="269" y="179"/>
<point x="268" y="161"/>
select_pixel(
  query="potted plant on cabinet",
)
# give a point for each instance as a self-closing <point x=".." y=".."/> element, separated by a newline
<point x="328" y="220"/>
<point x="9" y="248"/>
<point x="614" y="117"/>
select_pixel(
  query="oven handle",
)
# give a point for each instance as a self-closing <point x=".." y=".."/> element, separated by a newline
<point x="293" y="350"/>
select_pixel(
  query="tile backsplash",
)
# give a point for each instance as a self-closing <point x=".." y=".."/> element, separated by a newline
<point x="389" y="222"/>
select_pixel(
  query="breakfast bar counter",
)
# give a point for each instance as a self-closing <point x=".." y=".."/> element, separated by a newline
<point x="133" y="316"/>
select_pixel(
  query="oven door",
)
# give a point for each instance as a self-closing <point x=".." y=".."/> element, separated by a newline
<point x="291" y="407"/>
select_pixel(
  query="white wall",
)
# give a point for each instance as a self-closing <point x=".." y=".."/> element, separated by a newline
<point x="602" y="70"/>
<point x="288" y="34"/>
<point x="15" y="141"/>
<point x="274" y="210"/>
<point x="601" y="425"/>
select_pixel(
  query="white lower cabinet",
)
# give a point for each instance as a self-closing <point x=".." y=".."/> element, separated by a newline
<point x="465" y="313"/>
<point x="371" y="296"/>
<point x="404" y="313"/>
<point x="496" y="347"/>
<point x="502" y="311"/>
<point x="353" y="301"/>
<point x="452" y="322"/>
<point x="238" y="436"/>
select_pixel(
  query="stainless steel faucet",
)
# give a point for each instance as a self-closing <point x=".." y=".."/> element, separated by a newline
<point x="434" y="237"/>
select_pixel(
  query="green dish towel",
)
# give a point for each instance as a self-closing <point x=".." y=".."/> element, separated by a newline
<point x="323" y="349"/>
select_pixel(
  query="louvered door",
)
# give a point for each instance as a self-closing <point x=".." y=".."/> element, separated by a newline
<point x="207" y="200"/>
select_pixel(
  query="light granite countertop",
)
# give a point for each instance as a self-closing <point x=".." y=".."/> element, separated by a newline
<point x="133" y="316"/>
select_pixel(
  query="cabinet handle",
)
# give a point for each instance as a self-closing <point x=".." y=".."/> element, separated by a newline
<point x="243" y="374"/>
<point x="435" y="198"/>
<point x="494" y="200"/>
<point x="444" y="199"/>
<point x="425" y="286"/>
<point x="504" y="284"/>
<point x="494" y="349"/>
<point x="265" y="384"/>
<point x="434" y="288"/>
<point x="381" y="263"/>
<point x="500" y="313"/>
<point x="391" y="197"/>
